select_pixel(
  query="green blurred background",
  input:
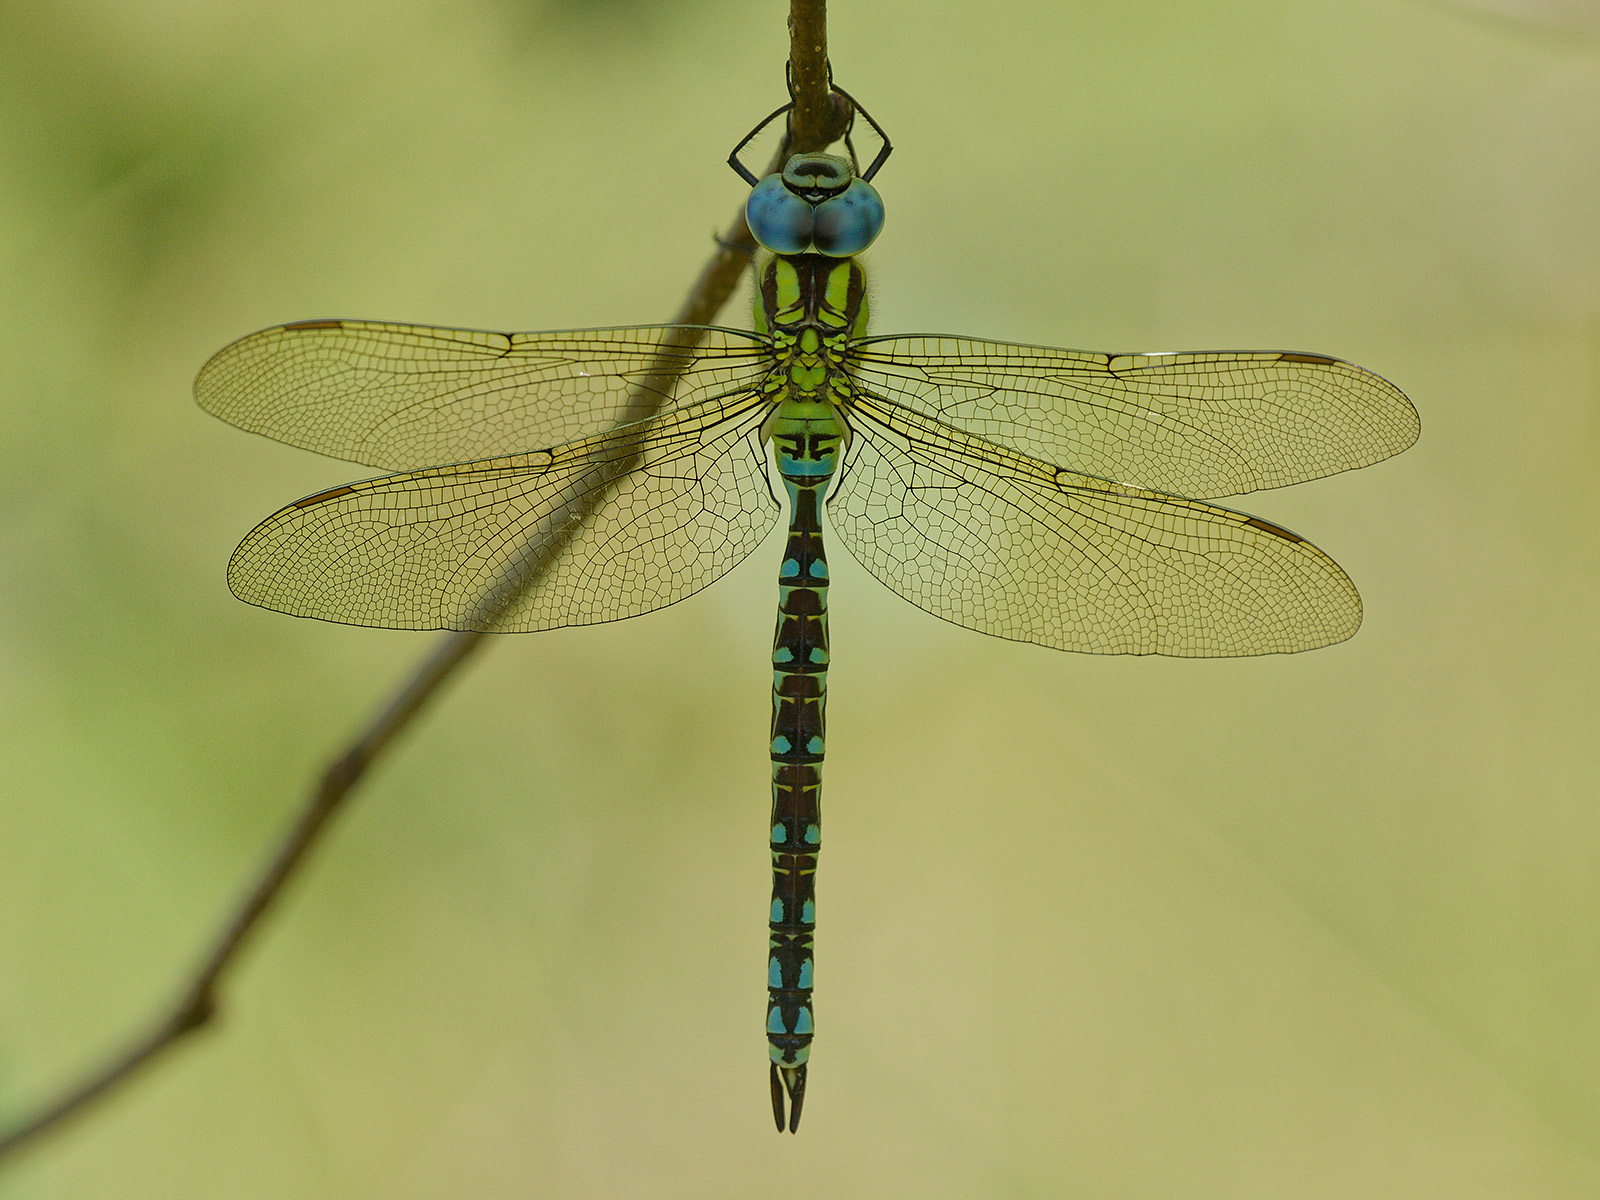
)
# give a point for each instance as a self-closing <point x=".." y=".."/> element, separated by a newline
<point x="1326" y="925"/>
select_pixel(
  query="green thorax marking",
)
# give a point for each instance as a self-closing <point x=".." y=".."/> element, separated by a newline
<point x="811" y="306"/>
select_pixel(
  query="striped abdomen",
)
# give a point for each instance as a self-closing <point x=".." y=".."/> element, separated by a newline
<point x="799" y="696"/>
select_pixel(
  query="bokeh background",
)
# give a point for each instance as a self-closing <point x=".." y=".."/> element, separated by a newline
<point x="1326" y="925"/>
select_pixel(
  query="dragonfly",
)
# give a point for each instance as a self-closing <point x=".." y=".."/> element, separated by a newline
<point x="550" y="479"/>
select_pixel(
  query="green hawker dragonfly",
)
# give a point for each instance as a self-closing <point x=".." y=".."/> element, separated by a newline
<point x="1043" y="495"/>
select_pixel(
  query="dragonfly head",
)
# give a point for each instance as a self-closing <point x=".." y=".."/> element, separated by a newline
<point x="818" y="205"/>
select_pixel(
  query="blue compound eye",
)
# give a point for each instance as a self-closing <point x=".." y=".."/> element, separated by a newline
<point x="848" y="223"/>
<point x="780" y="220"/>
<point x="817" y="206"/>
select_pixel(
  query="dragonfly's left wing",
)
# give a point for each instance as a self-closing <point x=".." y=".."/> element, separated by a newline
<point x="611" y="526"/>
<point x="1006" y="544"/>
<point x="401" y="397"/>
<point x="1198" y="425"/>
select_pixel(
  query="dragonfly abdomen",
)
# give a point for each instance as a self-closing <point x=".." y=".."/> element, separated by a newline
<point x="807" y="451"/>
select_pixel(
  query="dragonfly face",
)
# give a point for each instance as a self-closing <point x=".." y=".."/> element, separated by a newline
<point x="817" y="205"/>
<point x="578" y="476"/>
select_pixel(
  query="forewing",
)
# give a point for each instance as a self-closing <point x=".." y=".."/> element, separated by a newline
<point x="595" y="530"/>
<point x="1006" y="544"/>
<point x="1196" y="425"/>
<point x="403" y="397"/>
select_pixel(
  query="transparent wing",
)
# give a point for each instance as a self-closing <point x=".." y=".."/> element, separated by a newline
<point x="1006" y="544"/>
<point x="607" y="527"/>
<point x="401" y="397"/>
<point x="1199" y="425"/>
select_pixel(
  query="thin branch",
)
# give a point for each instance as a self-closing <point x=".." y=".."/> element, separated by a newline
<point x="808" y="75"/>
<point x="817" y="121"/>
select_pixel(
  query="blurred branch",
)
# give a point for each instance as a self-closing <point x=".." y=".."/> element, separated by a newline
<point x="817" y="120"/>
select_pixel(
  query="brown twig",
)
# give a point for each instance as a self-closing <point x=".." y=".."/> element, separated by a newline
<point x="817" y="120"/>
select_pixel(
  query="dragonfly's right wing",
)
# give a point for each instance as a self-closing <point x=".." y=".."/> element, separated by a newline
<point x="612" y="526"/>
<point x="402" y="397"/>
<point x="1006" y="544"/>
<point x="1217" y="423"/>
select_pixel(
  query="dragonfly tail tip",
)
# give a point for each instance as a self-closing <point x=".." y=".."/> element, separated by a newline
<point x="793" y="1081"/>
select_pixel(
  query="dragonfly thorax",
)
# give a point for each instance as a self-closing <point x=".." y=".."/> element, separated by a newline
<point x="811" y="307"/>
<point x="828" y="294"/>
